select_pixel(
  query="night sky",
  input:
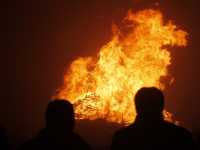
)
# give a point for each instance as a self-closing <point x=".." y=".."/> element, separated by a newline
<point x="39" y="40"/>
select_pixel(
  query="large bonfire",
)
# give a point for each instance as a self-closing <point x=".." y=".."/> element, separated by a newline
<point x="105" y="86"/>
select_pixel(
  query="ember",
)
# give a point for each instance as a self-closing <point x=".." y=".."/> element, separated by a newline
<point x="105" y="86"/>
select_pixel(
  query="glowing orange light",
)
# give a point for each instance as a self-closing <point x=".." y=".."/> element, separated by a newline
<point x="105" y="86"/>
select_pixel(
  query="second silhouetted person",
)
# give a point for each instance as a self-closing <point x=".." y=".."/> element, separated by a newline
<point x="150" y="131"/>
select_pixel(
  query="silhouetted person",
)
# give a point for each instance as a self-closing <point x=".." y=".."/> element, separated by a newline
<point x="4" y="145"/>
<point x="58" y="133"/>
<point x="150" y="131"/>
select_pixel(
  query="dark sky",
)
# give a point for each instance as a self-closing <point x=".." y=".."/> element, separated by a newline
<point x="39" y="39"/>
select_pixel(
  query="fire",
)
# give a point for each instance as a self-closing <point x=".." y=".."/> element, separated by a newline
<point x="105" y="86"/>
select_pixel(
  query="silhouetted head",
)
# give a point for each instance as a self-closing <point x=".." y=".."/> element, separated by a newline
<point x="149" y="101"/>
<point x="60" y="114"/>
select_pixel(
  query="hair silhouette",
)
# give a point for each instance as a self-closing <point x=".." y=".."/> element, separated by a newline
<point x="149" y="100"/>
<point x="60" y="114"/>
<point x="58" y="133"/>
<point x="150" y="131"/>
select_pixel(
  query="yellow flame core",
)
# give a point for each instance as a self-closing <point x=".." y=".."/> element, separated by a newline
<point x="105" y="86"/>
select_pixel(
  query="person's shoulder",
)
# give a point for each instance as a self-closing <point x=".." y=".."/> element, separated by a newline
<point x="181" y="135"/>
<point x="123" y="136"/>
<point x="126" y="130"/>
<point x="173" y="126"/>
<point x="176" y="129"/>
<point x="80" y="142"/>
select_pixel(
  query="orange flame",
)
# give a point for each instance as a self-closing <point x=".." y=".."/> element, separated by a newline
<point x="105" y="86"/>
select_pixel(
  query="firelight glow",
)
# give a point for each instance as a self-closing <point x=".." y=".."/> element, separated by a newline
<point x="105" y="86"/>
